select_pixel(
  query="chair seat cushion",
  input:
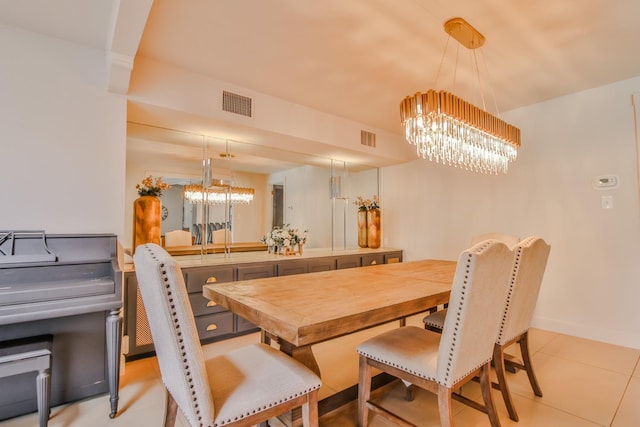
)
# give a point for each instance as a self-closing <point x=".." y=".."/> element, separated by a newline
<point x="253" y="378"/>
<point x="409" y="348"/>
<point x="436" y="320"/>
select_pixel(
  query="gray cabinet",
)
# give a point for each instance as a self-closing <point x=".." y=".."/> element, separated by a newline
<point x="214" y="322"/>
<point x="349" y="261"/>
<point x="287" y="268"/>
<point x="255" y="271"/>
<point x="372" y="259"/>
<point x="322" y="264"/>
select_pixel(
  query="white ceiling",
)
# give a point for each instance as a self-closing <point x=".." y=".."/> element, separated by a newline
<point x="358" y="58"/>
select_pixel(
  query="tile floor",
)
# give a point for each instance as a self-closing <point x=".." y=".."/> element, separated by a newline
<point x="585" y="384"/>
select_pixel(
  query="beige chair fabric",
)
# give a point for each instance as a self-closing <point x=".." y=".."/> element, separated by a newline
<point x="177" y="238"/>
<point x="219" y="236"/>
<point x="507" y="239"/>
<point x="530" y="263"/>
<point x="241" y="388"/>
<point x="443" y="363"/>
<point x="435" y="319"/>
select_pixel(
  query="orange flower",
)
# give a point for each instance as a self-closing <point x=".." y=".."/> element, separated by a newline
<point x="148" y="188"/>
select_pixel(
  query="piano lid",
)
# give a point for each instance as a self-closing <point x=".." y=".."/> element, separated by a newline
<point x="24" y="246"/>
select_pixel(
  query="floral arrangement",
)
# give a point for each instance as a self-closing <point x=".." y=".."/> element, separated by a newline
<point x="285" y="237"/>
<point x="367" y="204"/>
<point x="148" y="188"/>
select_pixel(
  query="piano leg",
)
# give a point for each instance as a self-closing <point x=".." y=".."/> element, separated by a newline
<point x="114" y="339"/>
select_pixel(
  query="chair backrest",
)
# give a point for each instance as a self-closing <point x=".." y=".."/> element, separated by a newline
<point x="219" y="235"/>
<point x="507" y="239"/>
<point x="177" y="238"/>
<point x="174" y="331"/>
<point x="475" y="309"/>
<point x="531" y="256"/>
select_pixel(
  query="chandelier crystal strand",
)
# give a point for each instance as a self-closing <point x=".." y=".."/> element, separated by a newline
<point x="219" y="195"/>
<point x="449" y="130"/>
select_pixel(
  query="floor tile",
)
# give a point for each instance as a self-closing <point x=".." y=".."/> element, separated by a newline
<point x="582" y="390"/>
<point x="606" y="356"/>
<point x="628" y="414"/>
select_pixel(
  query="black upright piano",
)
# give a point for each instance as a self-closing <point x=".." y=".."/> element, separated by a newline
<point x="68" y="286"/>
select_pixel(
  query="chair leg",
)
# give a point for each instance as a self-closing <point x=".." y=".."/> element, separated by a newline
<point x="310" y="410"/>
<point x="498" y="361"/>
<point x="445" y="407"/>
<point x="409" y="395"/>
<point x="170" y="411"/>
<point x="364" y="392"/>
<point x="528" y="366"/>
<point x="485" y="386"/>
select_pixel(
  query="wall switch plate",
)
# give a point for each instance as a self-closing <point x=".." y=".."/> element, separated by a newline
<point x="607" y="202"/>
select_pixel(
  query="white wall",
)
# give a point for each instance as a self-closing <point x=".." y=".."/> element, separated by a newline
<point x="591" y="283"/>
<point x="62" y="138"/>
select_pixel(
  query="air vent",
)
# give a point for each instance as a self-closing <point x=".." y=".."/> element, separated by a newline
<point x="367" y="138"/>
<point x="237" y="104"/>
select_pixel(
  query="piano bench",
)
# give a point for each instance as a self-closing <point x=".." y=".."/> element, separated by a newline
<point x="27" y="355"/>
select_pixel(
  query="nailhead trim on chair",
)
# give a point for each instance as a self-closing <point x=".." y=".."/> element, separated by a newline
<point x="479" y="248"/>
<point x="186" y="367"/>
<point x="514" y="275"/>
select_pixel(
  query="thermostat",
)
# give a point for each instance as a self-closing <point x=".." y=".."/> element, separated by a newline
<point x="606" y="182"/>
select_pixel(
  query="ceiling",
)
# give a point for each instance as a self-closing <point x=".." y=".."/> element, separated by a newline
<point x="358" y="58"/>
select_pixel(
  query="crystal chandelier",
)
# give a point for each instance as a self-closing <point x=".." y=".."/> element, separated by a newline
<point x="449" y="130"/>
<point x="218" y="194"/>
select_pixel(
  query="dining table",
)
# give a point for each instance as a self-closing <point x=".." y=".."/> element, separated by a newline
<point x="298" y="311"/>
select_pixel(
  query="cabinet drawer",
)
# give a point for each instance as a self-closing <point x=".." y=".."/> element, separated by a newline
<point x="214" y="325"/>
<point x="287" y="268"/>
<point x="248" y="272"/>
<point x="201" y="305"/>
<point x="243" y="324"/>
<point x="392" y="257"/>
<point x="349" y="261"/>
<point x="322" y="264"/>
<point x="195" y="278"/>
<point x="372" y="259"/>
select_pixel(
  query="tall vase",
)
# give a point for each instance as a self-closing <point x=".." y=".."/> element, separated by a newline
<point x="362" y="228"/>
<point x="146" y="220"/>
<point x="373" y="228"/>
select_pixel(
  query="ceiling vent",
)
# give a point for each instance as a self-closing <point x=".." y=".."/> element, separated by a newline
<point x="367" y="138"/>
<point x="237" y="104"/>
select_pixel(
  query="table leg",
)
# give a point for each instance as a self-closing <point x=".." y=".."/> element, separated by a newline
<point x="302" y="354"/>
<point x="114" y="340"/>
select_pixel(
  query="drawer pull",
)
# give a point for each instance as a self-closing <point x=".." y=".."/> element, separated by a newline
<point x="211" y="280"/>
<point x="374" y="262"/>
<point x="212" y="327"/>
<point x="212" y="304"/>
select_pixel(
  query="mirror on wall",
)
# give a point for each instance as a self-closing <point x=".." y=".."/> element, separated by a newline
<point x="302" y="191"/>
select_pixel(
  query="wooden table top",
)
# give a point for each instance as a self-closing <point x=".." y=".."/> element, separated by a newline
<point x="309" y="308"/>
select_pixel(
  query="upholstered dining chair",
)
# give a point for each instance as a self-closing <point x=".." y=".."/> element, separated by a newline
<point x="244" y="387"/>
<point x="442" y="363"/>
<point x="177" y="238"/>
<point x="530" y="262"/>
